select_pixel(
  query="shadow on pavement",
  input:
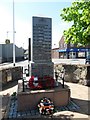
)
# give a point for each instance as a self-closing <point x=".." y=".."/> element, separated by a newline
<point x="83" y="104"/>
<point x="9" y="85"/>
<point x="5" y="102"/>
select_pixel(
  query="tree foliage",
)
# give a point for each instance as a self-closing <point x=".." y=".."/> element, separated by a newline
<point x="79" y="14"/>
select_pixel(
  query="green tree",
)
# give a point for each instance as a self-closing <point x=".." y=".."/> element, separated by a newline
<point x="79" y="14"/>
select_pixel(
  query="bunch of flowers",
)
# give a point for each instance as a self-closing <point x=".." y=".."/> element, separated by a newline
<point x="41" y="82"/>
<point x="34" y="83"/>
<point x="47" y="81"/>
<point x="46" y="106"/>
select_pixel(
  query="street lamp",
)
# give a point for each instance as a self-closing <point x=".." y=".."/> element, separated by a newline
<point x="13" y="37"/>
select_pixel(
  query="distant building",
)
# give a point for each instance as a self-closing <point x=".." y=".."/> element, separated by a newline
<point x="55" y="53"/>
<point x="6" y="53"/>
<point x="71" y="51"/>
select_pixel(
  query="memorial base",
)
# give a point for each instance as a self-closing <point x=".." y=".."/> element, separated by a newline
<point x="29" y="99"/>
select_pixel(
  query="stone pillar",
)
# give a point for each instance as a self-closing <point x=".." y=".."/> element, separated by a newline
<point x="42" y="64"/>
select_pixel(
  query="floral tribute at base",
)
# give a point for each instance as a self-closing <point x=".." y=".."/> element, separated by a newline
<point x="46" y="106"/>
<point x="41" y="82"/>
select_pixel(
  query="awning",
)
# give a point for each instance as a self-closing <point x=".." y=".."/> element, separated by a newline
<point x="74" y="50"/>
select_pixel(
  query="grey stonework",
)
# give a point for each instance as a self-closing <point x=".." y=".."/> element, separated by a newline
<point x="75" y="73"/>
<point x="11" y="74"/>
<point x="41" y="47"/>
<point x="42" y="69"/>
<point x="42" y="39"/>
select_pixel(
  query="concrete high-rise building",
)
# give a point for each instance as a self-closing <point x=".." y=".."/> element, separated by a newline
<point x="41" y="46"/>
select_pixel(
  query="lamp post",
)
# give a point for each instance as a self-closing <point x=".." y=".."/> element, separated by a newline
<point x="13" y="37"/>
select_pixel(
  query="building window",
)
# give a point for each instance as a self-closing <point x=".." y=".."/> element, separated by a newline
<point x="81" y="54"/>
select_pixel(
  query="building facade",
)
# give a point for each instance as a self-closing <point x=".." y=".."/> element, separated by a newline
<point x="6" y="53"/>
<point x="55" y="53"/>
<point x="71" y="51"/>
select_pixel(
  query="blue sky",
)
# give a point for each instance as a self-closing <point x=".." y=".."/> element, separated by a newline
<point x="24" y="10"/>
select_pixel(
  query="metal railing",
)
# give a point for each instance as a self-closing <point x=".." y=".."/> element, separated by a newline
<point x="58" y="77"/>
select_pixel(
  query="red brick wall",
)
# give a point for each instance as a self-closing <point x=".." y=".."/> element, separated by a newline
<point x="55" y="53"/>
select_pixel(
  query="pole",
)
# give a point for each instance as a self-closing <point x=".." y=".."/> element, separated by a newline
<point x="7" y="34"/>
<point x="29" y="56"/>
<point x="13" y="37"/>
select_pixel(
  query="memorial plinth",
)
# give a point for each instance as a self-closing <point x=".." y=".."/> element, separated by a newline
<point x="29" y="99"/>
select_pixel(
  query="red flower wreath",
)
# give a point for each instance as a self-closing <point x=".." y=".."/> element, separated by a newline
<point x="32" y="83"/>
<point x="49" y="81"/>
<point x="41" y="82"/>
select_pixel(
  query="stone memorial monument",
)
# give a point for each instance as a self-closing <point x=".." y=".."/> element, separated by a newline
<point x="41" y="47"/>
<point x="41" y="69"/>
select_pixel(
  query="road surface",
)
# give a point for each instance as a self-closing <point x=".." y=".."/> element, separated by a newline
<point x="56" y="61"/>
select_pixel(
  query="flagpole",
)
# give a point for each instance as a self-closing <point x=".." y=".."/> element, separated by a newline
<point x="13" y="37"/>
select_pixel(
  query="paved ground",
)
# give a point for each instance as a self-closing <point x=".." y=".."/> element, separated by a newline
<point x="79" y="94"/>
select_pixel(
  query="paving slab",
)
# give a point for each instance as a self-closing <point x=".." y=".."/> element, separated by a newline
<point x="79" y="94"/>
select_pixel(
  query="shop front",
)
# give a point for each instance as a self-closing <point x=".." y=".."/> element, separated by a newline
<point x="72" y="53"/>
